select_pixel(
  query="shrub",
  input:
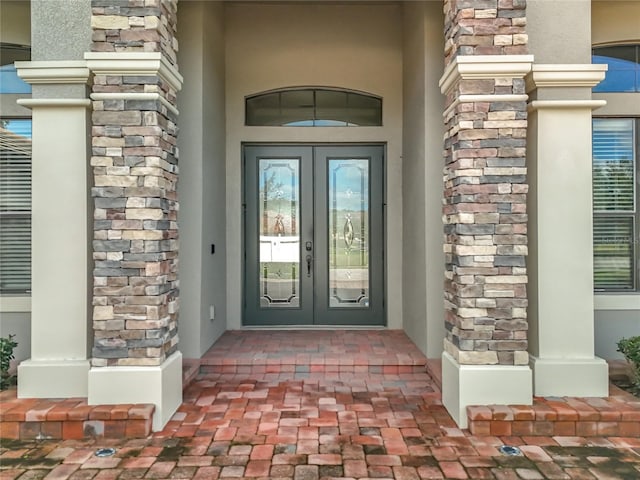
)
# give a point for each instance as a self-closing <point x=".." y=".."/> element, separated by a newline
<point x="7" y="344"/>
<point x="630" y="348"/>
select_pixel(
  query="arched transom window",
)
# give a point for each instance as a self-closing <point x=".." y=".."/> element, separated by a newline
<point x="623" y="74"/>
<point x="313" y="107"/>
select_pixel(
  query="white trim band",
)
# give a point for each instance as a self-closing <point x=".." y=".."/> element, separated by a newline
<point x="134" y="63"/>
<point x="53" y="72"/>
<point x="15" y="304"/>
<point x="566" y="104"/>
<point x="484" y="67"/>
<point x="135" y="96"/>
<point x="54" y="102"/>
<point x="561" y="75"/>
<point x="605" y="301"/>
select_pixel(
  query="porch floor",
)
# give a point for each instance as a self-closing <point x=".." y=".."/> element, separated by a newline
<point x="322" y="405"/>
<point x="327" y="354"/>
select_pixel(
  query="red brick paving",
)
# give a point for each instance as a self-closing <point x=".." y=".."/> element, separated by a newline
<point x="328" y="423"/>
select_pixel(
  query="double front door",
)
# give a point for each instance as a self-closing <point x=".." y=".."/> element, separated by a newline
<point x="313" y="235"/>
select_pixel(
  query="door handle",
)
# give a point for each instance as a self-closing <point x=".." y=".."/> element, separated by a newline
<point x="309" y="259"/>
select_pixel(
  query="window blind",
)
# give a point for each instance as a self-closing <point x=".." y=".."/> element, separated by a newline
<point x="15" y="206"/>
<point x="614" y="204"/>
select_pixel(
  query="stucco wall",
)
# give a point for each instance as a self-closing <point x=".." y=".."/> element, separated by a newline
<point x="559" y="30"/>
<point x="201" y="188"/>
<point x="613" y="22"/>
<point x="352" y="46"/>
<point x="15" y="26"/>
<point x="63" y="29"/>
<point x="423" y="258"/>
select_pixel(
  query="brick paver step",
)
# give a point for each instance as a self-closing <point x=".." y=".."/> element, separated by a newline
<point x="616" y="415"/>
<point x="313" y="351"/>
<point x="71" y="418"/>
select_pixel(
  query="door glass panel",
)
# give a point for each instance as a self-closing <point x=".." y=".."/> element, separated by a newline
<point x="348" y="233"/>
<point x="279" y="183"/>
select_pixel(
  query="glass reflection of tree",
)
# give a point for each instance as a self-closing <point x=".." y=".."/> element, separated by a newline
<point x="349" y="206"/>
<point x="277" y="198"/>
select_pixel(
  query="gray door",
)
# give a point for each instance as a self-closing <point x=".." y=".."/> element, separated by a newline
<point x="313" y="235"/>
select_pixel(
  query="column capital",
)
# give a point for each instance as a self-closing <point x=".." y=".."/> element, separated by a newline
<point x="54" y="72"/>
<point x="476" y="67"/>
<point x="134" y="64"/>
<point x="564" y="75"/>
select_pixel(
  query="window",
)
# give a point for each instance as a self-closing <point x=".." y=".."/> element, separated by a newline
<point x="313" y="108"/>
<point x="623" y="74"/>
<point x="615" y="204"/>
<point x="9" y="80"/>
<point x="15" y="206"/>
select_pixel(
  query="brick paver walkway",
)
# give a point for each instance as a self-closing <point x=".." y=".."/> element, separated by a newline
<point x="309" y="429"/>
<point x="329" y="423"/>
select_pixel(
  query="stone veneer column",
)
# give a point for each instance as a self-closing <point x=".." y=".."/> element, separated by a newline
<point x="485" y="359"/>
<point x="135" y="247"/>
<point x="561" y="266"/>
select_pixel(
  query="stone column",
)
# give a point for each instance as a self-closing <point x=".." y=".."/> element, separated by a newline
<point x="485" y="359"/>
<point x="135" y="246"/>
<point x="59" y="248"/>
<point x="561" y="264"/>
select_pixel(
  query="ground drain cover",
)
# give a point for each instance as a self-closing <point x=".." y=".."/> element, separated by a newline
<point x="510" y="451"/>
<point x="105" y="452"/>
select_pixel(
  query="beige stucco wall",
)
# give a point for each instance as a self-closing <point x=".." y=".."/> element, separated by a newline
<point x="15" y="26"/>
<point x="423" y="258"/>
<point x="613" y="22"/>
<point x="201" y="189"/>
<point x="352" y="46"/>
<point x="559" y="30"/>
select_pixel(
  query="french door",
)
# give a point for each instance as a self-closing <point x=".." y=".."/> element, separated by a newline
<point x="313" y="235"/>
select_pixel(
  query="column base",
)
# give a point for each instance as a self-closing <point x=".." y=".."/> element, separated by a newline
<point x="52" y="378"/>
<point x="161" y="385"/>
<point x="562" y="377"/>
<point x="465" y="385"/>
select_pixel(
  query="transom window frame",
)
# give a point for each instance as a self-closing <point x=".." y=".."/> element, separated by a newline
<point x="310" y="114"/>
<point x="617" y="67"/>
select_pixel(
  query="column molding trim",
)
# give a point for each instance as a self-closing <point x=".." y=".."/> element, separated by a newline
<point x="465" y="67"/>
<point x="134" y="64"/>
<point x="54" y="102"/>
<point x="565" y="75"/>
<point x="54" y="72"/>
<point x="565" y="104"/>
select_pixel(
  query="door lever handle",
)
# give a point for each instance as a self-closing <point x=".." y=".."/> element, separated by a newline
<point x="309" y="259"/>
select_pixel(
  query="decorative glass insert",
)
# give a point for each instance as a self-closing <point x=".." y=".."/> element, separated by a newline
<point x="348" y="233"/>
<point x="279" y="183"/>
<point x="615" y="211"/>
<point x="313" y="108"/>
<point x="623" y="74"/>
<point x="15" y="205"/>
<point x="9" y="80"/>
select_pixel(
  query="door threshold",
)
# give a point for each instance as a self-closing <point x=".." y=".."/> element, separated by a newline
<point x="313" y="327"/>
